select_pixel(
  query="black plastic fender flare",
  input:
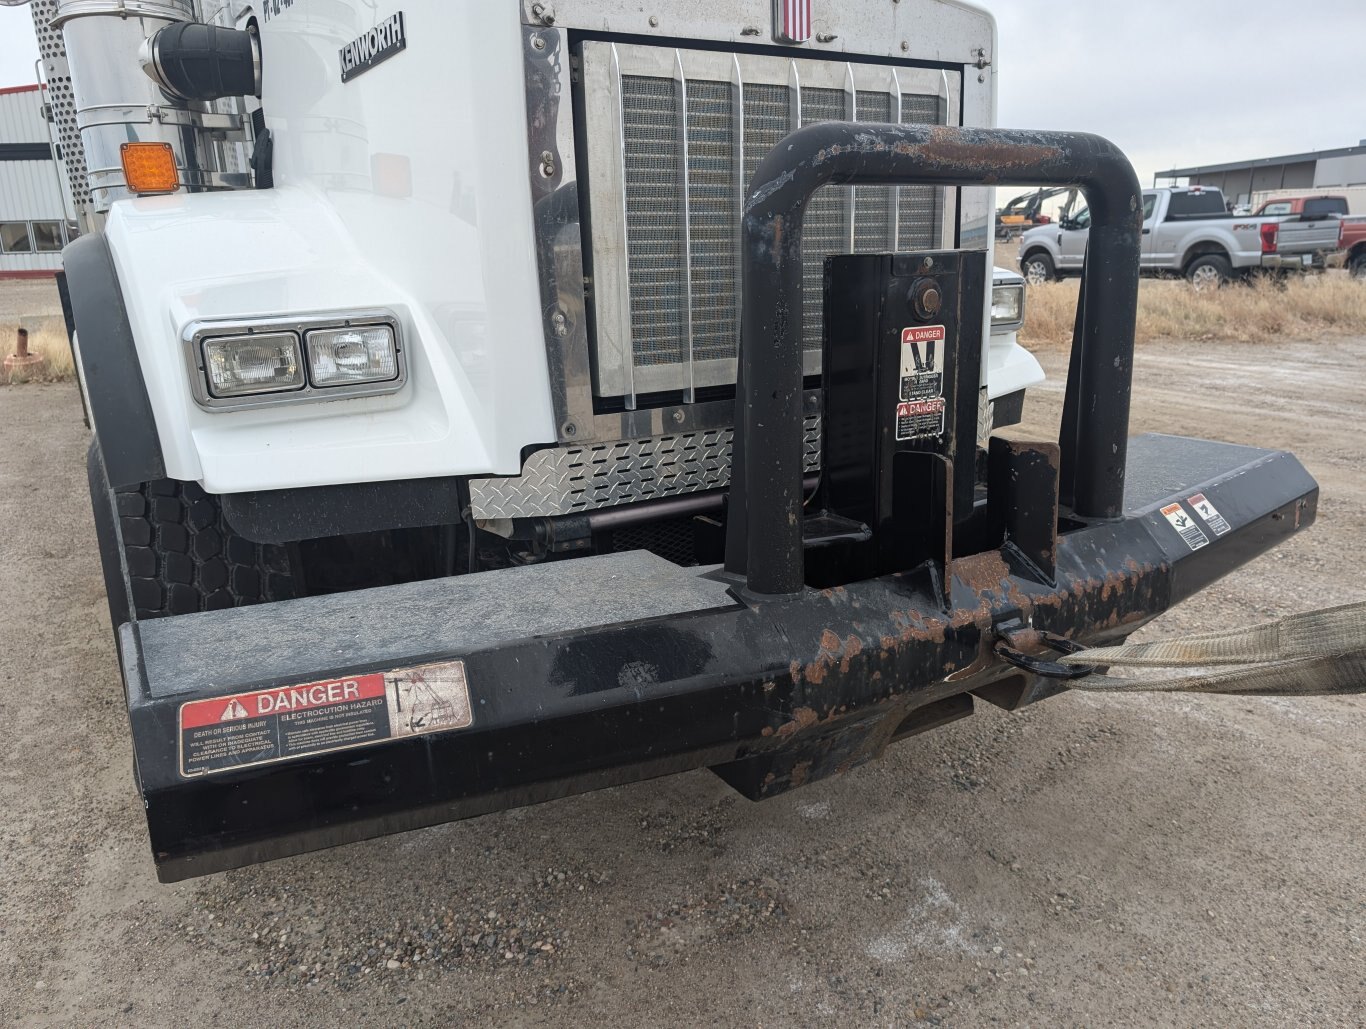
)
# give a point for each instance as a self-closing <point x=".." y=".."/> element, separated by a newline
<point x="116" y="394"/>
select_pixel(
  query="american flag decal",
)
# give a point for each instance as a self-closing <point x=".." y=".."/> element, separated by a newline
<point x="791" y="21"/>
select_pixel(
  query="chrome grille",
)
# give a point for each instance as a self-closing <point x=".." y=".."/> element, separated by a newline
<point x="673" y="140"/>
<point x="920" y="209"/>
<point x="825" y="229"/>
<point x="872" y="205"/>
<point x="654" y="232"/>
<point x="713" y="218"/>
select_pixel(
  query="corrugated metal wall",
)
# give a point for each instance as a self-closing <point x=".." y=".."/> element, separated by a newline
<point x="29" y="190"/>
<point x="21" y="116"/>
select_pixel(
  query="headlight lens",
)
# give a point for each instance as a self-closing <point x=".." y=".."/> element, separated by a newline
<point x="259" y="363"/>
<point x="345" y="356"/>
<point x="1007" y="305"/>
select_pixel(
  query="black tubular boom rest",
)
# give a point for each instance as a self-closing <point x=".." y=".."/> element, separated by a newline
<point x="764" y="517"/>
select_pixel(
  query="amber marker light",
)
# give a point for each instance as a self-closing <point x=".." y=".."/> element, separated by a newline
<point x="149" y="167"/>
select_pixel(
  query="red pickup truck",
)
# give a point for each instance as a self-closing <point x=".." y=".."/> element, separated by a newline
<point x="1351" y="252"/>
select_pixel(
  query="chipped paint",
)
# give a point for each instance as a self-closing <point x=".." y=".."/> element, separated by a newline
<point x="802" y="718"/>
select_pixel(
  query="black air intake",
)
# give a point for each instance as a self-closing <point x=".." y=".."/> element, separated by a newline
<point x="192" y="61"/>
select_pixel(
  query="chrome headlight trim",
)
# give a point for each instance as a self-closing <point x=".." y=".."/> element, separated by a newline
<point x="198" y="331"/>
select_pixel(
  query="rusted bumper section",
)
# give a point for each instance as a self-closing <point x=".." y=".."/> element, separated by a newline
<point x="598" y="671"/>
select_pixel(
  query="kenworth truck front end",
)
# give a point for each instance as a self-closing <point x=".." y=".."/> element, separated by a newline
<point x="498" y="401"/>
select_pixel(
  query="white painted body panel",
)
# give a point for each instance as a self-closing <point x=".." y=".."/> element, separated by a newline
<point x="1009" y="366"/>
<point x="454" y="259"/>
<point x="405" y="188"/>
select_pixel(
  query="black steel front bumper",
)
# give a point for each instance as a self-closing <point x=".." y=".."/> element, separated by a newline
<point x="597" y="671"/>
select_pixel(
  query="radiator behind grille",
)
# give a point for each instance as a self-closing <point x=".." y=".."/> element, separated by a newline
<point x="673" y="140"/>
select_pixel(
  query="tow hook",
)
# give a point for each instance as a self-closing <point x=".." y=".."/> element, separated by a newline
<point x="1012" y="636"/>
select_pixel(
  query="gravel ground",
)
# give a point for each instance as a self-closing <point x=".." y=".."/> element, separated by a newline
<point x="1090" y="861"/>
<point x="24" y="301"/>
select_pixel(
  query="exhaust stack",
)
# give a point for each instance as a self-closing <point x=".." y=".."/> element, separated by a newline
<point x="114" y="103"/>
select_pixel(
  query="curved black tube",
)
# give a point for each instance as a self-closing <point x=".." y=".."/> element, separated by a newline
<point x="764" y="519"/>
<point x="191" y="61"/>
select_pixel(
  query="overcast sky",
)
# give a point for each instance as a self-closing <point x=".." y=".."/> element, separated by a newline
<point x="1173" y="82"/>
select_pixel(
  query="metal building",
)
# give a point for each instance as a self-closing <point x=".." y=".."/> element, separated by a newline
<point x="1341" y="171"/>
<point x="33" y="209"/>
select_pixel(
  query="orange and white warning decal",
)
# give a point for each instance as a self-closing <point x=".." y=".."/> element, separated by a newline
<point x="1202" y="506"/>
<point x="265" y="726"/>
<point x="1185" y="525"/>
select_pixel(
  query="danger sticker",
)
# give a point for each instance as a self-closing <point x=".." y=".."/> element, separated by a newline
<point x="1201" y="505"/>
<point x="1185" y="525"/>
<point x="920" y="418"/>
<point x="924" y="352"/>
<point x="266" y="726"/>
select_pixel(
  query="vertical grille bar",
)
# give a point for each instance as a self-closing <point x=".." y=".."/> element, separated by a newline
<point x="738" y="134"/>
<point x="873" y="202"/>
<point x="624" y="314"/>
<point x="894" y="207"/>
<point x="714" y="219"/>
<point x="851" y="112"/>
<point x="825" y="229"/>
<point x="919" y="215"/>
<point x="655" y="237"/>
<point x="681" y="92"/>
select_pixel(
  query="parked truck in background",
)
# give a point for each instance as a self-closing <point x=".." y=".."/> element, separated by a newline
<point x="1351" y="249"/>
<point x="495" y="401"/>
<point x="1188" y="231"/>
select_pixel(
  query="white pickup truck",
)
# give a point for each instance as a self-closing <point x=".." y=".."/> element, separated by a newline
<point x="1187" y="231"/>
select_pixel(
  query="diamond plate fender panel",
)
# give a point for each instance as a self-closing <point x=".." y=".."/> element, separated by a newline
<point x="567" y="480"/>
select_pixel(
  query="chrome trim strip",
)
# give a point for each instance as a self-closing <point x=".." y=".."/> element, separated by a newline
<point x="624" y="297"/>
<point x="559" y="242"/>
<point x="681" y="84"/>
<point x="738" y="128"/>
<point x="950" y="214"/>
<point x="948" y="31"/>
<point x="850" y="195"/>
<point x="894" y="214"/>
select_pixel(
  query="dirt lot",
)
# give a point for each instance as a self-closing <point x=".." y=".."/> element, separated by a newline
<point x="1145" y="859"/>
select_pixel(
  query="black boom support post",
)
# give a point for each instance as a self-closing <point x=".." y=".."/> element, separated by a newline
<point x="764" y="521"/>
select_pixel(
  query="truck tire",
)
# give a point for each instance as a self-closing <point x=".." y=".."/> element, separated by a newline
<point x="1209" y="271"/>
<point x="1356" y="266"/>
<point x="167" y="550"/>
<point x="1037" y="267"/>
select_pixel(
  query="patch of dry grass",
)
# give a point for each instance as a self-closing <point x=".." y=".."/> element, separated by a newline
<point x="46" y="336"/>
<point x="1302" y="308"/>
<point x="34" y="304"/>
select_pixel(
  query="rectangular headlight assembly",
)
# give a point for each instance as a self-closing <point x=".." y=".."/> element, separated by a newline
<point x="265" y="362"/>
<point x="254" y="363"/>
<point x="337" y="357"/>
<point x="1007" y="306"/>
